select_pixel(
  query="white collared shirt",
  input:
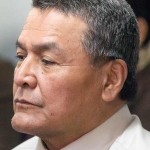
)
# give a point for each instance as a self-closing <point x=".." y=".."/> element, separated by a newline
<point x="102" y="137"/>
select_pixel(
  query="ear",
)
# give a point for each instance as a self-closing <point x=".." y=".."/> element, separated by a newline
<point x="116" y="74"/>
<point x="143" y="29"/>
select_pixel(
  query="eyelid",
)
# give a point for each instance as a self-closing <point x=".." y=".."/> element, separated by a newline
<point x="20" y="54"/>
<point x="20" y="51"/>
<point x="48" y="60"/>
<point x="20" y="57"/>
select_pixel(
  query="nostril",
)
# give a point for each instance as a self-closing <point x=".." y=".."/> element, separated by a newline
<point x="29" y="81"/>
<point x="25" y="85"/>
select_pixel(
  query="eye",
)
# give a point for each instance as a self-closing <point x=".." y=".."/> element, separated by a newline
<point x="48" y="62"/>
<point x="20" y="57"/>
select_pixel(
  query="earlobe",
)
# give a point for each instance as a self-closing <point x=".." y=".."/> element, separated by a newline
<point x="115" y="77"/>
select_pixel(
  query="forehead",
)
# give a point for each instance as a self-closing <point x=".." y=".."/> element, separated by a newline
<point x="52" y="26"/>
<point x="52" y="20"/>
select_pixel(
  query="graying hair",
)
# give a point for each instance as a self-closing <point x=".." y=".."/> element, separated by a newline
<point x="112" y="32"/>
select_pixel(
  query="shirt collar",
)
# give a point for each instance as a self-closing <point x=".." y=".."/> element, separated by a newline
<point x="103" y="136"/>
<point x="40" y="145"/>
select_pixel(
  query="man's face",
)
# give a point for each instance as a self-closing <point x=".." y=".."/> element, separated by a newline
<point x="56" y="89"/>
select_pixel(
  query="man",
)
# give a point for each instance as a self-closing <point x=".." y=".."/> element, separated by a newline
<point x="76" y="71"/>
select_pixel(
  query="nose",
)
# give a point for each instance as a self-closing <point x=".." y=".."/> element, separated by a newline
<point x="25" y="74"/>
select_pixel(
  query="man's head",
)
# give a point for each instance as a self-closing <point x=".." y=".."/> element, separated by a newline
<point x="74" y="59"/>
<point x="112" y="32"/>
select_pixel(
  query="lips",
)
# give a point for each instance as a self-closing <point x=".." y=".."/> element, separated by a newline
<point x="25" y="102"/>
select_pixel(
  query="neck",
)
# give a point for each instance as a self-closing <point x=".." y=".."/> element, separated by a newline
<point x="59" y="142"/>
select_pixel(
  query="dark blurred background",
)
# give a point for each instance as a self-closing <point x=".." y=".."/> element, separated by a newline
<point x="141" y="103"/>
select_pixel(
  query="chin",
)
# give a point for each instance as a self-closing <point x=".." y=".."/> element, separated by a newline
<point x="22" y="124"/>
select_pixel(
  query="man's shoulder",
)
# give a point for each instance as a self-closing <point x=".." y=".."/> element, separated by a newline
<point x="28" y="145"/>
<point x="135" y="137"/>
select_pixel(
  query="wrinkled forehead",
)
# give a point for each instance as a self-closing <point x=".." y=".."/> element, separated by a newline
<point x="51" y="18"/>
<point x="49" y="27"/>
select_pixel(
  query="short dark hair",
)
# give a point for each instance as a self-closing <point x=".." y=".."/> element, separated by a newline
<point x="112" y="32"/>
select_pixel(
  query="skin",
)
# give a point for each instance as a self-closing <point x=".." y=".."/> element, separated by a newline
<point x="143" y="29"/>
<point x="58" y="95"/>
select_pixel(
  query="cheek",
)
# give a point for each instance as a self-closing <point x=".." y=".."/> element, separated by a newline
<point x="61" y="94"/>
<point x="58" y="92"/>
<point x="66" y="85"/>
<point x="55" y="92"/>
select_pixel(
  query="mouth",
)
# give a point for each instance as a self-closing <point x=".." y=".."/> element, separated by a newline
<point x="23" y="102"/>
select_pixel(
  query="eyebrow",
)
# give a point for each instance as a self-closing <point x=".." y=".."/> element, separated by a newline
<point x="39" y="47"/>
